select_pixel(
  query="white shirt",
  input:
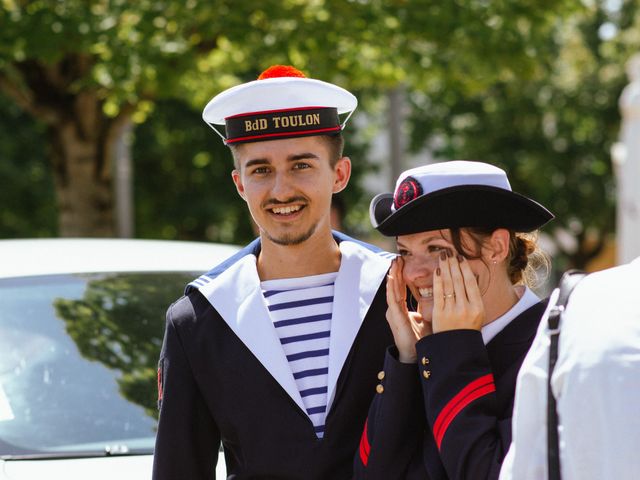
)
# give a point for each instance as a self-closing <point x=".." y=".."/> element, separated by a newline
<point x="527" y="300"/>
<point x="596" y="383"/>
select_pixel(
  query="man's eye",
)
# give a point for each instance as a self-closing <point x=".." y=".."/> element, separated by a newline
<point x="301" y="166"/>
<point x="261" y="170"/>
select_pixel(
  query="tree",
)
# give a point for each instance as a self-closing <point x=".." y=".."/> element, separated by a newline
<point x="86" y="69"/>
<point x="553" y="131"/>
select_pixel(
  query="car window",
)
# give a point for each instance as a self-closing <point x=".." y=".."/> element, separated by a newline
<point x="78" y="360"/>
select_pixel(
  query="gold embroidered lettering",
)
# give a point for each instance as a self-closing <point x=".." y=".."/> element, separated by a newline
<point x="254" y="125"/>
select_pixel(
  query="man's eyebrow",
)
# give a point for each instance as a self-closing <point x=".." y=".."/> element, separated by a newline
<point x="303" y="156"/>
<point x="256" y="161"/>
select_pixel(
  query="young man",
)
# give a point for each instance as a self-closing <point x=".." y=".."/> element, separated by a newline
<point x="272" y="353"/>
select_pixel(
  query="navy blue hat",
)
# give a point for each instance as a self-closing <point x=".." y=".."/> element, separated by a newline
<point x="454" y="194"/>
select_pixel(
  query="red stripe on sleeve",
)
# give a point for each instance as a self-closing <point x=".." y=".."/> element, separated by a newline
<point x="159" y="384"/>
<point x="465" y="396"/>
<point x="365" y="448"/>
<point x="474" y="395"/>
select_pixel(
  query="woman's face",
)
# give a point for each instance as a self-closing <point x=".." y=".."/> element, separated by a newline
<point x="421" y="251"/>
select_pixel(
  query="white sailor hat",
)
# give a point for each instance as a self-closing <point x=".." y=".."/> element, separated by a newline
<point x="454" y="194"/>
<point x="282" y="103"/>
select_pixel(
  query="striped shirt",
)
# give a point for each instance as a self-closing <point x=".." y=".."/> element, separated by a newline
<point x="301" y="310"/>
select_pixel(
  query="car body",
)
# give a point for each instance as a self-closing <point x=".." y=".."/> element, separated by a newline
<point x="81" y="327"/>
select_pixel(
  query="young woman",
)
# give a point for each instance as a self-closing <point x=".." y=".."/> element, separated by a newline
<point x="445" y="397"/>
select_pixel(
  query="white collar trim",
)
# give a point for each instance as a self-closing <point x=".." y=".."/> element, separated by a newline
<point x="527" y="300"/>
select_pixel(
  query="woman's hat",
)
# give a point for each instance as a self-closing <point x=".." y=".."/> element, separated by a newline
<point x="454" y="194"/>
<point x="282" y="103"/>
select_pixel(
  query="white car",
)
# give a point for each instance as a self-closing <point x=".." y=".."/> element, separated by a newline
<point x="81" y="327"/>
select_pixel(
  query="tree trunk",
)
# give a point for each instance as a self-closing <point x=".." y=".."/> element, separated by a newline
<point x="82" y="140"/>
<point x="83" y="190"/>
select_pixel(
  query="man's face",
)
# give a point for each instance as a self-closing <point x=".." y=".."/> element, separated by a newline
<point x="288" y="184"/>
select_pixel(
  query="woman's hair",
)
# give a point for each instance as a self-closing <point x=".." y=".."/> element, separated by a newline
<point x="524" y="261"/>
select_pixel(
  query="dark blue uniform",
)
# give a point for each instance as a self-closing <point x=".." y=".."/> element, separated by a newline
<point x="224" y="377"/>
<point x="450" y="419"/>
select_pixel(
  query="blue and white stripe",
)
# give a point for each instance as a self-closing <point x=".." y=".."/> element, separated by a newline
<point x="301" y="311"/>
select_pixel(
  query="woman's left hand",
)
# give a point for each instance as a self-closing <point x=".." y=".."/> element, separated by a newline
<point x="457" y="302"/>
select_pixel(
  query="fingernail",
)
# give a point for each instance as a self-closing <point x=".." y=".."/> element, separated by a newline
<point x="449" y="253"/>
<point x="460" y="258"/>
<point x="438" y="271"/>
<point x="443" y="255"/>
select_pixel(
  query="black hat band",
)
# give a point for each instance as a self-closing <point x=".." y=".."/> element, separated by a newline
<point x="254" y="127"/>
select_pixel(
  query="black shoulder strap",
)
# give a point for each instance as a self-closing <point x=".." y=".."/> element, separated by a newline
<point x="567" y="283"/>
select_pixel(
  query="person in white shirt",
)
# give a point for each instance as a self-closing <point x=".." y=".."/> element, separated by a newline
<point x="596" y="383"/>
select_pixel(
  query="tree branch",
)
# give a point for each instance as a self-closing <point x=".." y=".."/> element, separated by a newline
<point x="24" y="98"/>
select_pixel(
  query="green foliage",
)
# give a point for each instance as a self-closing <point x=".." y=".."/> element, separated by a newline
<point x="552" y="132"/>
<point x="182" y="174"/>
<point x="27" y="193"/>
<point x="530" y="85"/>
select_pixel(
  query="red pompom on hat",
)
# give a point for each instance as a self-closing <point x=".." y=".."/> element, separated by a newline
<point x="282" y="103"/>
<point x="276" y="71"/>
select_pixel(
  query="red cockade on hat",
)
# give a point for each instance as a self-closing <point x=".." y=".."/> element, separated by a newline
<point x="408" y="190"/>
<point x="277" y="71"/>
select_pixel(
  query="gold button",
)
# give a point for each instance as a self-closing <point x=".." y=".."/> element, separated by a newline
<point x="380" y="375"/>
<point x="426" y="373"/>
<point x="379" y="388"/>
<point x="425" y="360"/>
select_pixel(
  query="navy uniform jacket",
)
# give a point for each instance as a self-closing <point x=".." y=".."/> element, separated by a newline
<point x="463" y="390"/>
<point x="224" y="376"/>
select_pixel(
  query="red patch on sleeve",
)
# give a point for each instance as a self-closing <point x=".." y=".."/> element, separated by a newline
<point x="365" y="448"/>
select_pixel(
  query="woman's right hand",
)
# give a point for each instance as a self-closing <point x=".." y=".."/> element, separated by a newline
<point x="407" y="327"/>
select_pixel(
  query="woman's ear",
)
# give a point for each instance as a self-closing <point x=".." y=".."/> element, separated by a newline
<point x="496" y="247"/>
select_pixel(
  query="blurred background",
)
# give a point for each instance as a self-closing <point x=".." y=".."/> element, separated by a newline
<point x="100" y="107"/>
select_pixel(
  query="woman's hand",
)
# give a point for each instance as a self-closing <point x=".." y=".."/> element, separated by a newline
<point x="457" y="302"/>
<point x="407" y="327"/>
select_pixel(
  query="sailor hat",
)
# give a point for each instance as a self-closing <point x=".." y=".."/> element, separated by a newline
<point x="282" y="103"/>
<point x="454" y="194"/>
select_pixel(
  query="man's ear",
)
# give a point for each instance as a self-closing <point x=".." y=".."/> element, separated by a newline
<point x="497" y="245"/>
<point x="342" y="170"/>
<point x="237" y="180"/>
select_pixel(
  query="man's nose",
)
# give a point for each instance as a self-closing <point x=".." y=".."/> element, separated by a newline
<point x="282" y="188"/>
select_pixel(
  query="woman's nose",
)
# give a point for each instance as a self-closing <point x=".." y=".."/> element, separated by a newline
<point x="416" y="268"/>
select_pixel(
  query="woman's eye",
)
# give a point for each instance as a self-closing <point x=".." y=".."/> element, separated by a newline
<point x="403" y="253"/>
<point x="439" y="248"/>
